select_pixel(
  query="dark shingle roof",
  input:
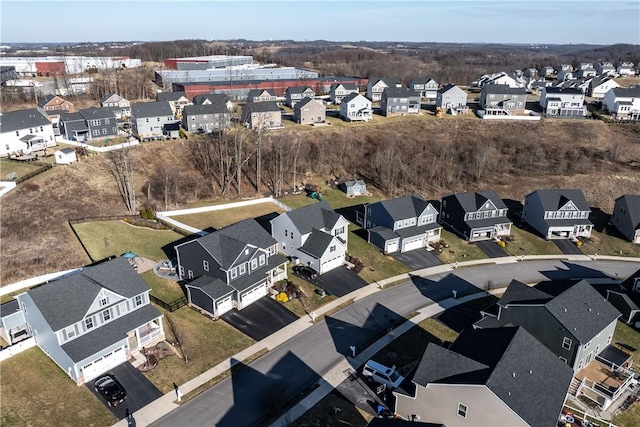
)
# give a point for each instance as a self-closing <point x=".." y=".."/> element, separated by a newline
<point x="71" y="117"/>
<point x="298" y="89"/>
<point x="397" y="92"/>
<point x="151" y="109"/>
<point x="317" y="243"/>
<point x="473" y="201"/>
<point x="318" y="215"/>
<point x="627" y="92"/>
<point x="438" y="364"/>
<point x="258" y="92"/>
<point x="67" y="300"/>
<point x="306" y="101"/>
<point x="47" y="99"/>
<point x="194" y="110"/>
<point x="632" y="206"/>
<point x="346" y="86"/>
<point x="214" y="98"/>
<point x="351" y="96"/>
<point x="447" y="88"/>
<point x="260" y="107"/>
<point x="405" y="207"/>
<point x="503" y="89"/>
<point x="170" y="96"/>
<point x="97" y="113"/>
<point x="554" y="199"/>
<point x="213" y="286"/>
<point x="22" y="119"/>
<point x="519" y="292"/>
<point x="563" y="90"/>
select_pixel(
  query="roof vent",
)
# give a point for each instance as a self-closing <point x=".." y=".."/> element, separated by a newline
<point x="530" y="372"/>
<point x="513" y="375"/>
<point x="565" y="310"/>
<point x="589" y="308"/>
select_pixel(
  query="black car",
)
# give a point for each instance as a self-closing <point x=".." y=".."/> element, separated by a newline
<point x="111" y="389"/>
<point x="305" y="272"/>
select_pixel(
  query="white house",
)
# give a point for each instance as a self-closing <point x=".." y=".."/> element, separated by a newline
<point x="66" y="156"/>
<point x="355" y="107"/>
<point x="599" y="87"/>
<point x="558" y="213"/>
<point x="623" y="103"/>
<point x="562" y="102"/>
<point x="25" y="131"/>
<point x="626" y="69"/>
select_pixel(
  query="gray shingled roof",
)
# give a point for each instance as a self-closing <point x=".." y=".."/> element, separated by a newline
<point x="384" y="232"/>
<point x="583" y="311"/>
<point x="305" y="101"/>
<point x="447" y="88"/>
<point x="473" y="201"/>
<point x="259" y="107"/>
<point x="214" y="98"/>
<point x="109" y="95"/>
<point x="151" y="109"/>
<point x="194" y="110"/>
<point x="519" y="292"/>
<point x="627" y="92"/>
<point x="554" y="199"/>
<point x="404" y="207"/>
<point x="397" y="92"/>
<point x="258" y="92"/>
<point x="71" y="117"/>
<point x="22" y="119"/>
<point x="213" y="286"/>
<point x="563" y="90"/>
<point x="346" y="86"/>
<point x="298" y="89"/>
<point x="632" y="205"/>
<point x="66" y="301"/>
<point x="351" y="96"/>
<point x="170" y="96"/>
<point x="317" y="243"/>
<point x="317" y="215"/>
<point x="503" y="89"/>
<point x="97" y="113"/>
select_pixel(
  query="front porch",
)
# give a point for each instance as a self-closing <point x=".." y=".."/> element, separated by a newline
<point x="148" y="334"/>
<point x="278" y="273"/>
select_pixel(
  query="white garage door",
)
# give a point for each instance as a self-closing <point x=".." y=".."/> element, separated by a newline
<point x="254" y="295"/>
<point x="331" y="264"/>
<point x="392" y="247"/>
<point x="225" y="305"/>
<point x="410" y="245"/>
<point x="104" y="363"/>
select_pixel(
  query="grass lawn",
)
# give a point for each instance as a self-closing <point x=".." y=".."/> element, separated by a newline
<point x="205" y="342"/>
<point x="529" y="244"/>
<point x="302" y="306"/>
<point x="221" y="218"/>
<point x="36" y="392"/>
<point x="625" y="334"/>
<point x="106" y="238"/>
<point x="609" y="243"/>
<point x="20" y="168"/>
<point x="628" y="418"/>
<point x="459" y="250"/>
<point x="323" y="414"/>
<point x="295" y="201"/>
<point x="163" y="289"/>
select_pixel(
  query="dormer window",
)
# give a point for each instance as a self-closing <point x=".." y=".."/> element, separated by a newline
<point x="88" y="323"/>
<point x="205" y="265"/>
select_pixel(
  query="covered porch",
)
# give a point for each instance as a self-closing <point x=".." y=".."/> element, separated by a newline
<point x="148" y="334"/>
<point x="278" y="273"/>
<point x="34" y="143"/>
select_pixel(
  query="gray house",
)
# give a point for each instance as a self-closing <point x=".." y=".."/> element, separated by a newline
<point x="309" y="111"/>
<point x="626" y="299"/>
<point x="497" y="99"/>
<point x="233" y="267"/>
<point x="120" y="106"/>
<point x="399" y="101"/>
<point x="487" y="378"/>
<point x="356" y="187"/>
<point x="149" y="119"/>
<point x="400" y="225"/>
<point x="376" y="86"/>
<point x="338" y="91"/>
<point x="314" y="235"/>
<point x="91" y="321"/>
<point x="74" y="127"/>
<point x="262" y="115"/>
<point x="206" y="118"/>
<point x="102" y="122"/>
<point x="626" y="216"/>
<point x="13" y="326"/>
<point x="558" y="213"/>
<point x="577" y="325"/>
<point x="452" y="99"/>
<point x="427" y="88"/>
<point x="479" y="215"/>
<point x="295" y="94"/>
<point x="261" y="95"/>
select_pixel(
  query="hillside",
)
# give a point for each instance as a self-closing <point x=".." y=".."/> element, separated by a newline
<point x="413" y="154"/>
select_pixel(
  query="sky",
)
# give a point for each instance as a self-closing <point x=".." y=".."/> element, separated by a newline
<point x="480" y="21"/>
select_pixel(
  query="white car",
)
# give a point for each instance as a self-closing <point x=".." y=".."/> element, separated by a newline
<point x="374" y="371"/>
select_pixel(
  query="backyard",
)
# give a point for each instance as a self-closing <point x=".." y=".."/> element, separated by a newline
<point x="163" y="289"/>
<point x="221" y="218"/>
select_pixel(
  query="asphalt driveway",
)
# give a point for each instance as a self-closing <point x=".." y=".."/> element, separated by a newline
<point x="418" y="259"/>
<point x="567" y="247"/>
<point x="140" y="391"/>
<point x="340" y="281"/>
<point x="260" y="319"/>
<point x="491" y="248"/>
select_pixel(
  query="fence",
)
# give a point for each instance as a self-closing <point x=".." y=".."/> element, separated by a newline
<point x="17" y="348"/>
<point x="100" y="218"/>
<point x="45" y="167"/>
<point x="172" y="306"/>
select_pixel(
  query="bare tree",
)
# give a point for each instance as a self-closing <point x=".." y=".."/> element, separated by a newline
<point x="121" y="167"/>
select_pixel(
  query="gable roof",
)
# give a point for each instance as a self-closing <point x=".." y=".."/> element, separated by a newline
<point x="259" y="107"/>
<point x="214" y="98"/>
<point x="151" y="109"/>
<point x="298" y="89"/>
<point x="439" y="364"/>
<point x="389" y="82"/>
<point x="212" y="286"/>
<point x="421" y="81"/>
<point x="170" y="96"/>
<point x="627" y="92"/>
<point x="22" y="119"/>
<point x="345" y="86"/>
<point x="631" y="202"/>
<point x="554" y="199"/>
<point x="352" y="96"/>
<point x="397" y="92"/>
<point x="473" y="201"/>
<point x="47" y="99"/>
<point x="66" y="300"/>
<point x="404" y="207"/>
<point x="306" y="101"/>
<point x="258" y="92"/>
<point x="107" y="97"/>
<point x="449" y="87"/>
<point x="197" y="109"/>
<point x="500" y="89"/>
<point x="317" y="243"/>
<point x="315" y="216"/>
<point x="519" y="292"/>
<point x="97" y="113"/>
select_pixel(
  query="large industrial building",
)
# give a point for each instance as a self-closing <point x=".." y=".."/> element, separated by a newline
<point x="206" y="62"/>
<point x="58" y="65"/>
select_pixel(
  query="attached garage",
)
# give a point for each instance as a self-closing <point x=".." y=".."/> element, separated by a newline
<point x="224" y="305"/>
<point x="410" y="245"/>
<point x="331" y="264"/>
<point x="392" y="247"/>
<point x="103" y="363"/>
<point x="210" y="295"/>
<point x="252" y="295"/>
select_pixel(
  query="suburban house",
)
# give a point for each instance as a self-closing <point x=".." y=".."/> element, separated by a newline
<point x="262" y="115"/>
<point x="356" y="107"/>
<point x="338" y="91"/>
<point x="565" y="72"/>
<point x="233" y="267"/>
<point x="121" y="107"/>
<point x="626" y="216"/>
<point x="312" y="235"/>
<point x="92" y="320"/>
<point x="501" y="78"/>
<point x="400" y="225"/>
<point x="606" y="69"/>
<point x="479" y="215"/>
<point x="355" y="187"/>
<point x="309" y="111"/>
<point x="261" y="95"/>
<point x="500" y="99"/>
<point x="626" y="69"/>
<point x="74" y="127"/>
<point x="206" y="118"/>
<point x="558" y="213"/>
<point x="599" y="87"/>
<point x="25" y="131"/>
<point x="489" y="378"/>
<point x="177" y="101"/>
<point x="623" y="103"/>
<point x="547" y="71"/>
<point x="13" y="326"/>
<point x="295" y="94"/>
<point x="53" y="106"/>
<point x="376" y="86"/>
<point x="399" y="101"/>
<point x="149" y="120"/>
<point x="66" y="156"/>
<point x="626" y="299"/>
<point x="427" y="88"/>
<point x="451" y="98"/>
<point x="561" y="102"/>
<point x="586" y="72"/>
<point x="214" y="98"/>
<point x="101" y="122"/>
<point x="577" y="325"/>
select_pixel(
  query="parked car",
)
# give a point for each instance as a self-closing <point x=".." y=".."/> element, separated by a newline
<point x="110" y="388"/>
<point x="374" y="371"/>
<point x="305" y="272"/>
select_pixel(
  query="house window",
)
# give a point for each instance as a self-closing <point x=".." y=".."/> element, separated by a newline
<point x="88" y="323"/>
<point x="104" y="301"/>
<point x="261" y="260"/>
<point x="17" y="133"/>
<point x="121" y="308"/>
<point x="138" y="300"/>
<point x="286" y="233"/>
<point x="96" y="131"/>
<point x="332" y="248"/>
<point x="181" y="271"/>
<point x="254" y="264"/>
<point x="234" y="273"/>
<point x="566" y="343"/>
<point x="104" y="131"/>
<point x="106" y="315"/>
<point x="205" y="265"/>
<point x="462" y="410"/>
<point x="41" y="130"/>
<point x="243" y="268"/>
<point x="147" y="120"/>
<point x="70" y="332"/>
<point x="564" y="359"/>
<point x="190" y="274"/>
<point x="106" y="121"/>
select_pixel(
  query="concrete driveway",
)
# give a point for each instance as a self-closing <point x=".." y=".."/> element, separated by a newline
<point x="567" y="247"/>
<point x="491" y="248"/>
<point x="418" y="259"/>
<point x="140" y="391"/>
<point x="340" y="281"/>
<point x="260" y="319"/>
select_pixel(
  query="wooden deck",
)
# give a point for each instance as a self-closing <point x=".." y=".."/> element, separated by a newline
<point x="601" y="375"/>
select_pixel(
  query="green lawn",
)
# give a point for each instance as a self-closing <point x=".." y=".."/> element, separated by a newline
<point x="205" y="342"/>
<point x="163" y="289"/>
<point x="221" y="218"/>
<point x="625" y="334"/>
<point x="302" y="306"/>
<point x="628" y="418"/>
<point x="20" y="168"/>
<point x="36" y="392"/>
<point x="106" y="238"/>
<point x="459" y="250"/>
<point x="609" y="243"/>
<point x="529" y="244"/>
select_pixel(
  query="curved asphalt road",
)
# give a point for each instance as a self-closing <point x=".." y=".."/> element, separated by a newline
<point x="249" y="395"/>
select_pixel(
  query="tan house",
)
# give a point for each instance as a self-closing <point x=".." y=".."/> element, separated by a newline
<point x="309" y="111"/>
<point x="262" y="115"/>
